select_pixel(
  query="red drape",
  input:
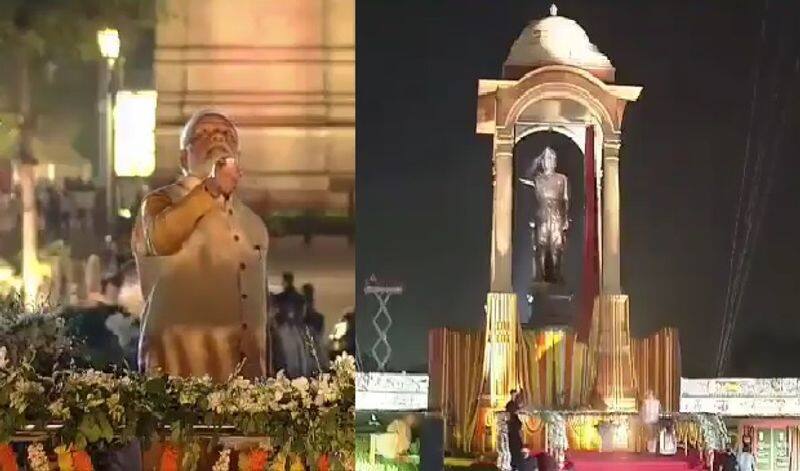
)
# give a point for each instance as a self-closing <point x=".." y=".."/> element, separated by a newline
<point x="591" y="266"/>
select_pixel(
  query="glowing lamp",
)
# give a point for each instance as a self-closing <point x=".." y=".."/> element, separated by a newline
<point x="134" y="133"/>
<point x="108" y="41"/>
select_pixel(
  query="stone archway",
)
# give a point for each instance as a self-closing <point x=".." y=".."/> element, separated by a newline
<point x="533" y="309"/>
<point x="556" y="79"/>
<point x="505" y="110"/>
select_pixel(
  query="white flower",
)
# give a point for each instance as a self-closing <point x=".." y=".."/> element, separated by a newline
<point x="19" y="395"/>
<point x="3" y="357"/>
<point x="58" y="410"/>
<point x="216" y="402"/>
<point x="224" y="461"/>
<point x="37" y="457"/>
<point x="115" y="409"/>
<point x="300" y="383"/>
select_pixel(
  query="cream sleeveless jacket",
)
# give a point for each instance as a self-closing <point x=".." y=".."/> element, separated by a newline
<point x="206" y="304"/>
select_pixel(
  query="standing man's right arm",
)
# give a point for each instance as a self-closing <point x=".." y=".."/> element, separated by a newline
<point x="166" y="224"/>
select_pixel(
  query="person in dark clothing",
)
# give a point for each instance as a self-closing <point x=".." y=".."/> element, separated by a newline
<point x="289" y="302"/>
<point x="514" y="431"/>
<point x="512" y="402"/>
<point x="313" y="318"/>
<point x="314" y="323"/>
<point x="728" y="461"/>
<point x="350" y="336"/>
<point x="546" y="462"/>
<point x="53" y="213"/>
<point x="288" y="334"/>
<point x="521" y="459"/>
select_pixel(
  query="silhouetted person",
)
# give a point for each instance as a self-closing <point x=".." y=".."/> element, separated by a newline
<point x="289" y="302"/>
<point x="514" y="431"/>
<point x="728" y="461"/>
<point x="350" y="336"/>
<point x="314" y="323"/>
<point x="53" y="213"/>
<point x="289" y="330"/>
<point x="313" y="318"/>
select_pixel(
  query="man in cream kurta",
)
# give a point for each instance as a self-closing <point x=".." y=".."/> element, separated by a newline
<point x="201" y="255"/>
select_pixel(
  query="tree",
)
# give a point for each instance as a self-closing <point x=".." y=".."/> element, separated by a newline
<point x="41" y="33"/>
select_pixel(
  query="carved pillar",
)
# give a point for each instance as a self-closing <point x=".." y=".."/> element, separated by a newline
<point x="615" y="387"/>
<point x="502" y="210"/>
<point x="500" y="360"/>
<point x="501" y="341"/>
<point x="611" y="241"/>
<point x="615" y="382"/>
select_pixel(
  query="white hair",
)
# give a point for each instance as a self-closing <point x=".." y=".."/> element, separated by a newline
<point x="188" y="128"/>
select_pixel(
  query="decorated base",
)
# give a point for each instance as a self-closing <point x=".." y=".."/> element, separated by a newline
<point x="589" y="431"/>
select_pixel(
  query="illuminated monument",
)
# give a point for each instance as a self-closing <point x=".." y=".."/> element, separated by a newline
<point x="555" y="80"/>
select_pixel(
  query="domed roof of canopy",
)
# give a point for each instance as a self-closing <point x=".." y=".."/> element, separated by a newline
<point x="555" y="40"/>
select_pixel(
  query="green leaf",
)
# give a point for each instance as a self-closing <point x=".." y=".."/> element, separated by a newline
<point x="89" y="428"/>
<point x="176" y="432"/>
<point x="80" y="441"/>
<point x="106" y="430"/>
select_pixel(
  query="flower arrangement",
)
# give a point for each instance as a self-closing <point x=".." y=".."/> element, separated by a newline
<point x="36" y="335"/>
<point x="713" y="431"/>
<point x="37" y="458"/>
<point x="312" y="418"/>
<point x="556" y="430"/>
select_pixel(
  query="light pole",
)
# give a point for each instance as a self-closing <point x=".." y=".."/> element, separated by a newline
<point x="108" y="42"/>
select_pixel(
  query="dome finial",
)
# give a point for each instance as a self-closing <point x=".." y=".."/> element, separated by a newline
<point x="553" y="10"/>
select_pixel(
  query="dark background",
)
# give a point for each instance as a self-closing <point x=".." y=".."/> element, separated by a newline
<point x="424" y="176"/>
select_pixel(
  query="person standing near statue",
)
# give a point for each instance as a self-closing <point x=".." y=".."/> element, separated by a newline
<point x="201" y="256"/>
<point x="650" y="414"/>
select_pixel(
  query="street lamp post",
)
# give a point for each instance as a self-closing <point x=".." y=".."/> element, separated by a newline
<point x="108" y="42"/>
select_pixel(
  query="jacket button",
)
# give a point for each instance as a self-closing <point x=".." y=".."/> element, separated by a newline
<point x="244" y="326"/>
<point x="236" y="238"/>
<point x="230" y="211"/>
<point x="244" y="296"/>
<point x="242" y="266"/>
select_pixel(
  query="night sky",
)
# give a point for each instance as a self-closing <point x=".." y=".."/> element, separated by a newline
<point x="423" y="175"/>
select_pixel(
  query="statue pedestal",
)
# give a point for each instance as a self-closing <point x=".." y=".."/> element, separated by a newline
<point x="553" y="305"/>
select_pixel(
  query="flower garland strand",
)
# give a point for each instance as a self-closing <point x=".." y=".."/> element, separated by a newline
<point x="37" y="458"/>
<point x="81" y="461"/>
<point x="253" y="460"/>
<point x="8" y="460"/>
<point x="323" y="464"/>
<point x="64" y="457"/>
<point x="318" y="412"/>
<point x="169" y="458"/>
<point x="224" y="461"/>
